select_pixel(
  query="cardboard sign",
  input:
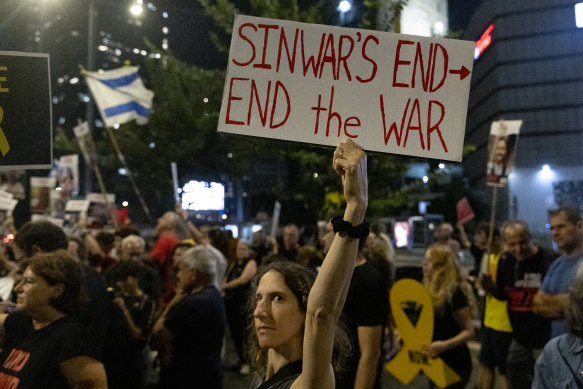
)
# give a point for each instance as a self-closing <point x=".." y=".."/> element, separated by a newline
<point x="26" y="133"/>
<point x="68" y="175"/>
<point x="464" y="211"/>
<point x="40" y="194"/>
<point x="6" y="195"/>
<point x="77" y="206"/>
<point x="412" y="310"/>
<point x="391" y="93"/>
<point x="275" y="219"/>
<point x="7" y="204"/>
<point x="501" y="151"/>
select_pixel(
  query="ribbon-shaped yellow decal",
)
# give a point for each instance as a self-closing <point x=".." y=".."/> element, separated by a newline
<point x="413" y="313"/>
<point x="4" y="146"/>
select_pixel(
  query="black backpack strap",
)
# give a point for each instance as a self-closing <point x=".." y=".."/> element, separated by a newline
<point x="576" y="378"/>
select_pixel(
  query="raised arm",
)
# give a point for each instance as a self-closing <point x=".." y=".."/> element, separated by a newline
<point x="331" y="286"/>
<point x="463" y="236"/>
<point x="246" y="276"/>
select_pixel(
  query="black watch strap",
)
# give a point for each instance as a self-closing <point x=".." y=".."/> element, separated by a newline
<point x="345" y="228"/>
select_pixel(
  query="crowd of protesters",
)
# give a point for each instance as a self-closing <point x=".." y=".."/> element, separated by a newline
<point x="122" y="309"/>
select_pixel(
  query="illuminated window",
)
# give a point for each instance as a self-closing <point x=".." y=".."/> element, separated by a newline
<point x="579" y="14"/>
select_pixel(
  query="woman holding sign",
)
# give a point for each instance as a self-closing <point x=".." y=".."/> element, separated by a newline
<point x="292" y="338"/>
<point x="453" y="304"/>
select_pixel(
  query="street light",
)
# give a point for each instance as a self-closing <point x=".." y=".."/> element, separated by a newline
<point x="136" y="9"/>
<point x="343" y="7"/>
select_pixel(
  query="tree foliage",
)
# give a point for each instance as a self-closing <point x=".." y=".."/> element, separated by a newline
<point x="183" y="126"/>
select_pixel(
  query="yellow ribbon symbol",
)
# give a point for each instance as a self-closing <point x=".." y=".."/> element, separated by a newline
<point x="413" y="313"/>
<point x="4" y="146"/>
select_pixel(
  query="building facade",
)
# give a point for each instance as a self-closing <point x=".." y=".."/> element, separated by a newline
<point x="530" y="68"/>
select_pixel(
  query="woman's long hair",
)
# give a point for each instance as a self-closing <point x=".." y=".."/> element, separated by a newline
<point x="445" y="278"/>
<point x="299" y="280"/>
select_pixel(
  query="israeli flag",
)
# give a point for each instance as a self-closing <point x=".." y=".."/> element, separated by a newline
<point x="120" y="95"/>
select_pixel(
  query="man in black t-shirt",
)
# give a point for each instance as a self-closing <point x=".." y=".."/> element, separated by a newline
<point x="365" y="314"/>
<point x="520" y="274"/>
<point x="189" y="334"/>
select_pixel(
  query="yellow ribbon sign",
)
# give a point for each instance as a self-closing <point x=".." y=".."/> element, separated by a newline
<point x="4" y="146"/>
<point x="413" y="313"/>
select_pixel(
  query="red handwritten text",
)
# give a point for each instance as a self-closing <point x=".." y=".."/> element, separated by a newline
<point x="335" y="55"/>
<point x="352" y="121"/>
<point x="413" y="113"/>
<point x="255" y="99"/>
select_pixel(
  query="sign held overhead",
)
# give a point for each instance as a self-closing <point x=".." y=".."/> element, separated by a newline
<point x="26" y="135"/>
<point x="391" y="93"/>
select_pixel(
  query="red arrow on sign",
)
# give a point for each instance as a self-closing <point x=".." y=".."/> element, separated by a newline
<point x="463" y="72"/>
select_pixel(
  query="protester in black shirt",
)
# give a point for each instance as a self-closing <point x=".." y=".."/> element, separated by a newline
<point x="520" y="274"/>
<point x="130" y="320"/>
<point x="189" y="334"/>
<point x="292" y="338"/>
<point x="45" y="345"/>
<point x="453" y="304"/>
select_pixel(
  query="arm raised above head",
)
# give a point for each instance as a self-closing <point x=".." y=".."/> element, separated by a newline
<point x="328" y="294"/>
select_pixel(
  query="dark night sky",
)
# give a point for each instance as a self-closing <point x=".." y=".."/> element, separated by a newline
<point x="460" y="13"/>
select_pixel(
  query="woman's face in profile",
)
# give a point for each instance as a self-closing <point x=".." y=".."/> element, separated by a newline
<point x="278" y="318"/>
<point x="34" y="292"/>
<point x="427" y="264"/>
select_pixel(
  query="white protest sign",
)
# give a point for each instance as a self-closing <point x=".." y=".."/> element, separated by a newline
<point x="502" y="151"/>
<point x="319" y="84"/>
<point x="7" y="204"/>
<point x="6" y="195"/>
<point x="77" y="206"/>
<point x="100" y="198"/>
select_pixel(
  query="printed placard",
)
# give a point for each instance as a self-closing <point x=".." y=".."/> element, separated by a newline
<point x="464" y="211"/>
<point x="501" y="151"/>
<point x="391" y="93"/>
<point x="77" y="206"/>
<point x="26" y="134"/>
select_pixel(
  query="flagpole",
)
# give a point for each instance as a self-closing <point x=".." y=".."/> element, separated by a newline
<point x="124" y="163"/>
<point x="104" y="192"/>
<point x="90" y="113"/>
<point x="492" y="219"/>
<point x="87" y="149"/>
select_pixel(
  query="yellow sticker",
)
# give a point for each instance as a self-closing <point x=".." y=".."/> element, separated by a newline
<point x="4" y="146"/>
<point x="413" y="313"/>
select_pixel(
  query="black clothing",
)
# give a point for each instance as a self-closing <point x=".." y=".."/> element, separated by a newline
<point x="445" y="327"/>
<point x="477" y="253"/>
<point x="148" y="280"/>
<point x="518" y="282"/>
<point x="123" y="357"/>
<point x="289" y="255"/>
<point x="94" y="310"/>
<point x="367" y="305"/>
<point x="284" y="378"/>
<point x="31" y="358"/>
<point x="236" y="306"/>
<point x="198" y="326"/>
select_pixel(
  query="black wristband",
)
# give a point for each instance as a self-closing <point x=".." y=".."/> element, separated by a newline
<point x="345" y="228"/>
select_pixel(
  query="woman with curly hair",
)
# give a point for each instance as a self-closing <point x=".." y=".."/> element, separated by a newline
<point x="453" y="304"/>
<point x="293" y="333"/>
